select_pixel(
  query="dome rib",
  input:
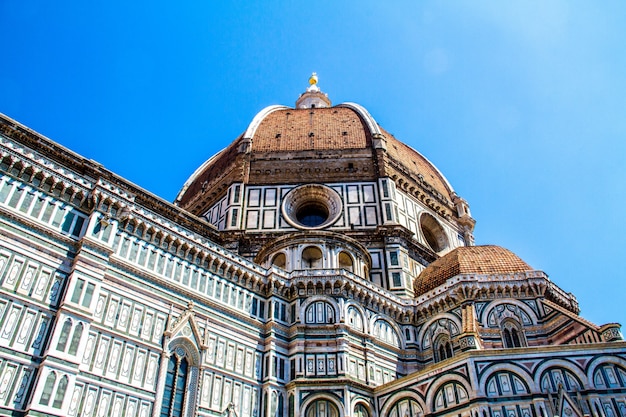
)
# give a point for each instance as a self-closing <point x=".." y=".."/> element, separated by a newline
<point x="371" y="124"/>
<point x="260" y="116"/>
<point x="197" y="173"/>
<point x="400" y="151"/>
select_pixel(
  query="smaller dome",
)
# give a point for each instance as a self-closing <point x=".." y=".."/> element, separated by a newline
<point x="488" y="259"/>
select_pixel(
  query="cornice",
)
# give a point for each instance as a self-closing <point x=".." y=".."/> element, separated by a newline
<point x="40" y="145"/>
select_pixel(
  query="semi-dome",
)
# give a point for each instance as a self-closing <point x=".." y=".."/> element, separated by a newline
<point x="487" y="259"/>
<point x="331" y="143"/>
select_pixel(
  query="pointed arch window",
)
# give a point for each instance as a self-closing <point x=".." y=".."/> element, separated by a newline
<point x="64" y="336"/>
<point x="78" y="332"/>
<point x="445" y="350"/>
<point x="60" y="394"/>
<point x="47" y="389"/>
<point x="442" y="348"/>
<point x="278" y="404"/>
<point x="512" y="335"/>
<point x="175" y="385"/>
<point x="361" y="411"/>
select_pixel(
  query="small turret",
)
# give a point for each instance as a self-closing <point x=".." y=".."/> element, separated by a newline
<point x="313" y="97"/>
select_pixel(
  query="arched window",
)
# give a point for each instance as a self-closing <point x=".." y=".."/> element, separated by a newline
<point x="175" y="385"/>
<point x="442" y="348"/>
<point x="78" y="332"/>
<point x="312" y="258"/>
<point x="406" y="407"/>
<point x="361" y="411"/>
<point x="345" y="262"/>
<point x="609" y="376"/>
<point x="505" y="384"/>
<point x="450" y="395"/>
<point x="320" y="312"/>
<point x="279" y="260"/>
<point x="504" y="312"/>
<point x="292" y="406"/>
<point x="281" y="406"/>
<point x="355" y="319"/>
<point x="322" y="408"/>
<point x="65" y="334"/>
<point x="385" y="332"/>
<point x="47" y="389"/>
<point x="60" y="394"/>
<point x="433" y="233"/>
<point x="512" y="335"/>
<point x="555" y="377"/>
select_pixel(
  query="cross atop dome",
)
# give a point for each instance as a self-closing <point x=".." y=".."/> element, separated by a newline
<point x="313" y="97"/>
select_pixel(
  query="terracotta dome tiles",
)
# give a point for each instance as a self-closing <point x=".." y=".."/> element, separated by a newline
<point x="338" y="129"/>
<point x="310" y="129"/>
<point x="417" y="164"/>
<point x="469" y="260"/>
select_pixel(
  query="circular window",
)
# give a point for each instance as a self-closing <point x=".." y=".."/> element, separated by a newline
<point x="312" y="215"/>
<point x="312" y="206"/>
<point x="433" y="233"/>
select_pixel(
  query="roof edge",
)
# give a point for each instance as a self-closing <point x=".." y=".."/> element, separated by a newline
<point x="372" y="125"/>
<point x="443" y="177"/>
<point x="196" y="174"/>
<point x="375" y="130"/>
<point x="248" y="134"/>
<point x="254" y="124"/>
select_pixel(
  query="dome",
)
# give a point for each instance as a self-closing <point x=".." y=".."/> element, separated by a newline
<point x="333" y="144"/>
<point x="486" y="259"/>
<point x="318" y="167"/>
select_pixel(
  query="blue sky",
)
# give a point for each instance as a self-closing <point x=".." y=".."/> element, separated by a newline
<point x="521" y="104"/>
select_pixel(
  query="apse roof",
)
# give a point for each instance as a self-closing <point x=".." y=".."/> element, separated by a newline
<point x="488" y="259"/>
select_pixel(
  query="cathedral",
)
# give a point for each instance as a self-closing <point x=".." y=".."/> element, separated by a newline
<point x="315" y="267"/>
